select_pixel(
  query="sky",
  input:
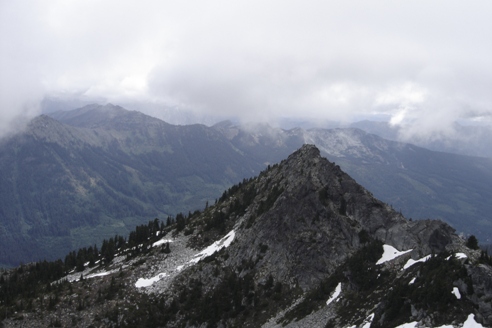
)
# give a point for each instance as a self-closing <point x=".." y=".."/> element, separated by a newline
<point x="419" y="64"/>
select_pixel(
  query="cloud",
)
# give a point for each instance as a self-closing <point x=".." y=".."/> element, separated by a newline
<point x="20" y="87"/>
<point x="421" y="64"/>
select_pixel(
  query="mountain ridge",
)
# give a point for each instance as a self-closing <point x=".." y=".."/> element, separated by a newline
<point x="300" y="245"/>
<point x="120" y="168"/>
<point x="461" y="139"/>
<point x="65" y="187"/>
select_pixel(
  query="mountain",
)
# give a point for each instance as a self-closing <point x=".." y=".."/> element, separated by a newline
<point x="421" y="183"/>
<point x="76" y="177"/>
<point x="101" y="170"/>
<point x="300" y="245"/>
<point x="418" y="182"/>
<point x="464" y="140"/>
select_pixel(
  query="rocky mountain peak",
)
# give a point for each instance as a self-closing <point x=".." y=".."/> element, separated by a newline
<point x="312" y="216"/>
<point x="306" y="152"/>
<point x="304" y="223"/>
<point x="420" y="183"/>
<point x="300" y="245"/>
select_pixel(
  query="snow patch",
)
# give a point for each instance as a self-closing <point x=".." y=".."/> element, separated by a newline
<point x="76" y="276"/>
<point x="215" y="247"/>
<point x="368" y="321"/>
<point x="458" y="256"/>
<point x="412" y="281"/>
<point x="414" y="324"/>
<point x="411" y="262"/>
<point x="390" y="253"/>
<point x="162" y="241"/>
<point x="471" y="323"/>
<point x="456" y="292"/>
<point x="99" y="274"/>
<point x="142" y="282"/>
<point x="408" y="325"/>
<point x="335" y="294"/>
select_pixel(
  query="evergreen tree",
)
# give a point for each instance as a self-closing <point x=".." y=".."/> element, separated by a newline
<point x="472" y="242"/>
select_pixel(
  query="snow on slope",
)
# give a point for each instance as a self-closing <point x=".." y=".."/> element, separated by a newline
<point x="368" y="321"/>
<point x="142" y="282"/>
<point x="390" y="253"/>
<point x="335" y="294"/>
<point x="411" y="262"/>
<point x="408" y="325"/>
<point x="469" y="323"/>
<point x="458" y="256"/>
<point x="162" y="241"/>
<point x="461" y="256"/>
<point x="216" y="246"/>
<point x="456" y="292"/>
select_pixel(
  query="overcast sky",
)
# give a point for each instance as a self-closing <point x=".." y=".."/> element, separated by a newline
<point x="422" y="62"/>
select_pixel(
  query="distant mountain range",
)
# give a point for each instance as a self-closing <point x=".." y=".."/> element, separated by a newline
<point x="469" y="140"/>
<point x="76" y="177"/>
<point x="65" y="186"/>
<point x="464" y="140"/>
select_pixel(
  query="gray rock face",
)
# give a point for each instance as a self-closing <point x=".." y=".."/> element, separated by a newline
<point x="482" y="283"/>
<point x="306" y="219"/>
<point x="315" y="222"/>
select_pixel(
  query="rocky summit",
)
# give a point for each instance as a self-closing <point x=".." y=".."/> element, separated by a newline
<point x="300" y="245"/>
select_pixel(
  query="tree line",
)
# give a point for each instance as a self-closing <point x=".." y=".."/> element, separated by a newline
<point x="28" y="281"/>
